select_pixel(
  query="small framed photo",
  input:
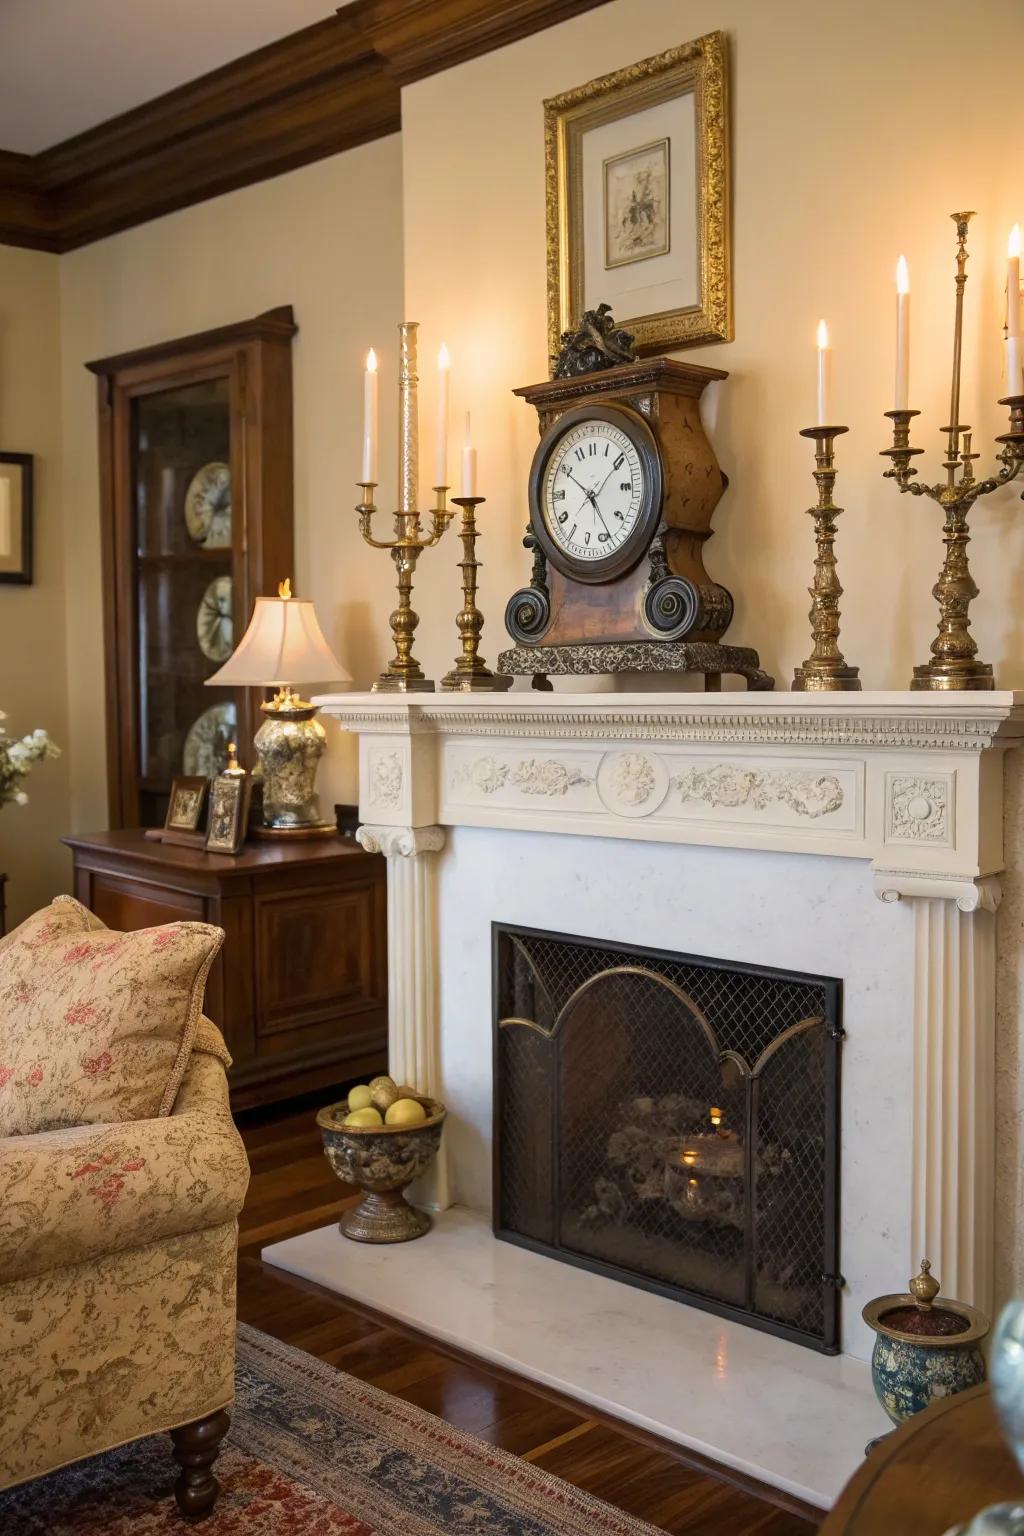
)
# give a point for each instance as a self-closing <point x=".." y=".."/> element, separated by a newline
<point x="188" y="801"/>
<point x="229" y="812"/>
<point x="16" y="517"/>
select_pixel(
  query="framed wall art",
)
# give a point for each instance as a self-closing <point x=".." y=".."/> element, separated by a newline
<point x="16" y="517"/>
<point x="637" y="196"/>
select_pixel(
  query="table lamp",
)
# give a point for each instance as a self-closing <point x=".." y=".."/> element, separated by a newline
<point x="284" y="646"/>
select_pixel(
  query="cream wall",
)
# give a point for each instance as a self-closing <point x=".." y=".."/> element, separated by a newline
<point x="33" y="686"/>
<point x="853" y="140"/>
<point x="325" y="239"/>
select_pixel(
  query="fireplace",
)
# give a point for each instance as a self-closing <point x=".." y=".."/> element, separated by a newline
<point x="673" y="1122"/>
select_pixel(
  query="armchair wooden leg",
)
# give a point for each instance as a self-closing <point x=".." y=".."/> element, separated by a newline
<point x="196" y="1448"/>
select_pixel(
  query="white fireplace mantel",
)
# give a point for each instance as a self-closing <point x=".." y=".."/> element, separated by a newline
<point x="684" y="821"/>
<point x="909" y="783"/>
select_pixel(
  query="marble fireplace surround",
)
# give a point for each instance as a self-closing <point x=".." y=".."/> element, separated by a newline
<point x="746" y="826"/>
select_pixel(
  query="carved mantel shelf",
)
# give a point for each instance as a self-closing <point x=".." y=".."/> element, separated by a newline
<point x="909" y="782"/>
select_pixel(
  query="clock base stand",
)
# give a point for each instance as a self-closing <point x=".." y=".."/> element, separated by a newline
<point x="542" y="662"/>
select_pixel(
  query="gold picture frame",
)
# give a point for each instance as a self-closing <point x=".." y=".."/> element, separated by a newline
<point x="699" y="70"/>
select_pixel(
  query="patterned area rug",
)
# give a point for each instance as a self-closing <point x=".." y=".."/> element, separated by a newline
<point x="313" y="1452"/>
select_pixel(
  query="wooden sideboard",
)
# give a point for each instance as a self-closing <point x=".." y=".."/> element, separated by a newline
<point x="300" y="986"/>
<point x="938" y="1469"/>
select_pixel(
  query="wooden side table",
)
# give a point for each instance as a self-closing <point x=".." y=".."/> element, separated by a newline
<point x="936" y="1470"/>
<point x="300" y="986"/>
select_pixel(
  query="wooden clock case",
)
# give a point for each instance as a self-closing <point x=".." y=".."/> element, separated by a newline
<point x="666" y="594"/>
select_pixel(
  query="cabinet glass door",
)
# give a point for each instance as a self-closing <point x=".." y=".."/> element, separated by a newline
<point x="185" y="542"/>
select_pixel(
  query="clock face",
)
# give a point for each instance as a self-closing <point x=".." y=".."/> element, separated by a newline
<point x="595" y="491"/>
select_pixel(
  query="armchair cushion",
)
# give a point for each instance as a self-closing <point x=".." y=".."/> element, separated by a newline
<point x="96" y="1027"/>
<point x="71" y="1195"/>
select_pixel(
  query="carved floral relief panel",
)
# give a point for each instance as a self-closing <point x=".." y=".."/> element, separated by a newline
<point x="920" y="808"/>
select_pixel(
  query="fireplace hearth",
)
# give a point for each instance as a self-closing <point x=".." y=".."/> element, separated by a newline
<point x="673" y="1122"/>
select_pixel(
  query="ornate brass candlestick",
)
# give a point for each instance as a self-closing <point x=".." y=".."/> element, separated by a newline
<point x="954" y="661"/>
<point x="404" y="673"/>
<point x="469" y="674"/>
<point x="825" y="668"/>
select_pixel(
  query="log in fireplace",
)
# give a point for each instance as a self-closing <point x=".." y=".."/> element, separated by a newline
<point x="673" y="1122"/>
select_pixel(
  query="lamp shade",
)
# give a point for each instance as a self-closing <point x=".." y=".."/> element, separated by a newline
<point x="283" y="644"/>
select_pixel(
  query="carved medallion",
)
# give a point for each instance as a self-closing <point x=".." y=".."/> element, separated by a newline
<point x="917" y="808"/>
<point x="632" y="783"/>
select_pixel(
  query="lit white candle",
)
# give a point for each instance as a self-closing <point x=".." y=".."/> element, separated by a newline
<point x="441" y="447"/>
<point x="371" y="419"/>
<point x="824" y="377"/>
<point x="1013" y="367"/>
<point x="468" y="464"/>
<point x="6" y="539"/>
<point x="902" y="392"/>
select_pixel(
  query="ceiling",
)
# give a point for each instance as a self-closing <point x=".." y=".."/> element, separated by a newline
<point x="66" y="65"/>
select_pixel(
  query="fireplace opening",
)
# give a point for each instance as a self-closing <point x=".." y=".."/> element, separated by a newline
<point x="673" y="1122"/>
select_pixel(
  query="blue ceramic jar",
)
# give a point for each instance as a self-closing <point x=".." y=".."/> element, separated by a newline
<point x="923" y="1351"/>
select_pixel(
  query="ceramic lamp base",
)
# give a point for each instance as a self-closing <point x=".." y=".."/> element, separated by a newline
<point x="289" y="745"/>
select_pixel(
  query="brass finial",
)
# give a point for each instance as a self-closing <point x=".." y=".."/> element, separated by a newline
<point x="284" y="588"/>
<point x="924" y="1287"/>
<point x="234" y="767"/>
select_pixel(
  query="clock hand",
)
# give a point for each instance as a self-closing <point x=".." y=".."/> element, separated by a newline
<point x="592" y="497"/>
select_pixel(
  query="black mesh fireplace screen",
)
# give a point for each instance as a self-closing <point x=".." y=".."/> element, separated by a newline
<point x="673" y="1122"/>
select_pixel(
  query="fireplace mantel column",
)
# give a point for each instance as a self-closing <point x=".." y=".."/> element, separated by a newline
<point x="413" y="1034"/>
<point x="953" y="1188"/>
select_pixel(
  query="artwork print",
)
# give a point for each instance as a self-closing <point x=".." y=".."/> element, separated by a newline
<point x="636" y="204"/>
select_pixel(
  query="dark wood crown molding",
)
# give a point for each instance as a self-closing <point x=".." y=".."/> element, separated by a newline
<point x="315" y="93"/>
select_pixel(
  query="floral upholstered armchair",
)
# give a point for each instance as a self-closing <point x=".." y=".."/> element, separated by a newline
<point x="121" y="1179"/>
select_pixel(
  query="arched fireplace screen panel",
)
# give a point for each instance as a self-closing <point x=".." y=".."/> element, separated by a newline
<point x="672" y="1122"/>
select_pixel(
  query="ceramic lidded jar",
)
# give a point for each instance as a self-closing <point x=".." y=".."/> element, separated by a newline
<point x="923" y="1350"/>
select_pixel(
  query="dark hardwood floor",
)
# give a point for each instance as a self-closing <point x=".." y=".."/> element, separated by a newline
<point x="292" y="1190"/>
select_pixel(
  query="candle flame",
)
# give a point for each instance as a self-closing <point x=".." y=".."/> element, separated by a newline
<point x="371" y="361"/>
<point x="822" y="335"/>
<point x="443" y="360"/>
<point x="716" y="1116"/>
<point x="902" y="276"/>
<point x="284" y="588"/>
<point x="1013" y="244"/>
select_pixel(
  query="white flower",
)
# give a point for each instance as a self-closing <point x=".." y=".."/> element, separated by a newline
<point x="21" y="798"/>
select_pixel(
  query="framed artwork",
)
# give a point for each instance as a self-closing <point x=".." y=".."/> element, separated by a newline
<point x="637" y="199"/>
<point x="229" y="813"/>
<point x="188" y="800"/>
<point x="16" y="517"/>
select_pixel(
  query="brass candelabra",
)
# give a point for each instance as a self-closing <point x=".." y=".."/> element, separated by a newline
<point x="470" y="674"/>
<point x="954" y="662"/>
<point x="826" y="668"/>
<point x="404" y="673"/>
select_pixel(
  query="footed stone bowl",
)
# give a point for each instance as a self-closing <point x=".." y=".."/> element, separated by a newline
<point x="381" y="1160"/>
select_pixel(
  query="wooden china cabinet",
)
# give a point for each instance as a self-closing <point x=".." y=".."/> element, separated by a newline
<point x="195" y="440"/>
<point x="196" y="492"/>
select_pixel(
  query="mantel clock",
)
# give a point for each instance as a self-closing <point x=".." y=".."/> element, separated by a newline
<point x="622" y="490"/>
